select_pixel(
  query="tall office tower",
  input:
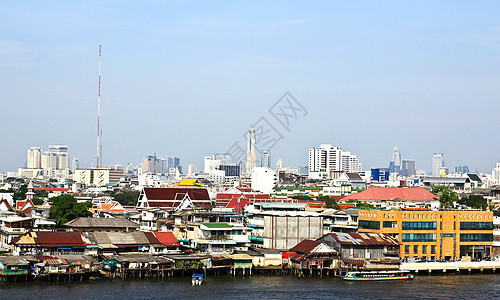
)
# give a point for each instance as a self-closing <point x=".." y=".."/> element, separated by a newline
<point x="174" y="162"/>
<point x="395" y="164"/>
<point x="349" y="162"/>
<point x="34" y="158"/>
<point x="250" y="150"/>
<point x="192" y="171"/>
<point x="325" y="159"/>
<point x="462" y="169"/>
<point x="151" y="164"/>
<point x="495" y="175"/>
<point x="396" y="157"/>
<point x="437" y="164"/>
<point x="279" y="164"/>
<point x="75" y="165"/>
<point x="408" y="167"/>
<point x="265" y="158"/>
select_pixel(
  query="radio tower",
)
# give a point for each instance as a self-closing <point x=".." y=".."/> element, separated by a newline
<point x="99" y="143"/>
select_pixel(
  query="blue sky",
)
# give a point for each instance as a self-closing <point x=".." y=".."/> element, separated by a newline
<point x="187" y="78"/>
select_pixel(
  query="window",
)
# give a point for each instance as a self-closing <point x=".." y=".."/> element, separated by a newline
<point x="433" y="249"/>
<point x="407" y="249"/>
<point x="415" y="249"/>
<point x="369" y="224"/>
<point x="476" y="237"/>
<point x="424" y="249"/>
<point x="419" y="225"/>
<point x="419" y="237"/>
<point x="476" y="225"/>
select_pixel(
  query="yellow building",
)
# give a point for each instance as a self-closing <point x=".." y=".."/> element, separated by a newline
<point x="434" y="234"/>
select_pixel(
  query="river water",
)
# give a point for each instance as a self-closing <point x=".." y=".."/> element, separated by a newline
<point x="475" y="286"/>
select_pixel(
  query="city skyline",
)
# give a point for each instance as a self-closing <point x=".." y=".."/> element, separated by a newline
<point x="422" y="66"/>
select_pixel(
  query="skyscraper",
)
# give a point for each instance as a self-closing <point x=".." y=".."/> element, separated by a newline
<point x="34" y="158"/>
<point x="326" y="159"/>
<point x="437" y="164"/>
<point x="265" y="158"/>
<point x="279" y="164"/>
<point x="395" y="164"/>
<point x="408" y="167"/>
<point x="250" y="150"/>
<point x="174" y="162"/>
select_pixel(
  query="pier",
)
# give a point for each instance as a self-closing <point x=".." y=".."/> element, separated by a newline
<point x="449" y="267"/>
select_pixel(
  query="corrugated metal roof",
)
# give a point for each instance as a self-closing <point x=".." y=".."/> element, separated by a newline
<point x="346" y="238"/>
<point x="101" y="222"/>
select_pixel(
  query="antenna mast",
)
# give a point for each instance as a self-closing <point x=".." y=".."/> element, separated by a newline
<point x="99" y="147"/>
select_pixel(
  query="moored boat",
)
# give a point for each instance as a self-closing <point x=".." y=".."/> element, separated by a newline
<point x="197" y="279"/>
<point x="377" y="275"/>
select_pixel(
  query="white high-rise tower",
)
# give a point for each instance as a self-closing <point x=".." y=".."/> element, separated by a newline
<point x="250" y="150"/>
<point x="34" y="158"/>
<point x="437" y="164"/>
<point x="396" y="157"/>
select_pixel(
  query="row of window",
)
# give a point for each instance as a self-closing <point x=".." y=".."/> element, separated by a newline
<point x="427" y="216"/>
<point x="369" y="224"/>
<point x="419" y="237"/>
<point x="419" y="225"/>
<point x="476" y="237"/>
<point x="424" y="249"/>
<point x="476" y="225"/>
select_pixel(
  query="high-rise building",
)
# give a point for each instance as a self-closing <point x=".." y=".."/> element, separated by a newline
<point x="192" y="171"/>
<point x="174" y="162"/>
<point x="34" y="158"/>
<point x="462" y="169"/>
<point x="495" y="175"/>
<point x="437" y="164"/>
<point x="75" y="165"/>
<point x="251" y="160"/>
<point x="396" y="157"/>
<point x="265" y="159"/>
<point x="152" y="164"/>
<point x="408" y="167"/>
<point x="279" y="164"/>
<point x="326" y="159"/>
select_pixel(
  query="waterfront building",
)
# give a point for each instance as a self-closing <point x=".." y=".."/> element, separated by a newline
<point x="434" y="234"/>
<point x="363" y="246"/>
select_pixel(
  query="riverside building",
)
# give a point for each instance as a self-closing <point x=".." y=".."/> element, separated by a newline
<point x="434" y="234"/>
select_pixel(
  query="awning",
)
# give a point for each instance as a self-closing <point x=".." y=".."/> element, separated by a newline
<point x="256" y="239"/>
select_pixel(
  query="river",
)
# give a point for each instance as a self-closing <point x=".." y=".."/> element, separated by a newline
<point x="474" y="286"/>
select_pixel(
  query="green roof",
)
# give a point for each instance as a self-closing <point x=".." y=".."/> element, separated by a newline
<point x="217" y="225"/>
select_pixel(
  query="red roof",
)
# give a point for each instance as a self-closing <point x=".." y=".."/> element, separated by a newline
<point x="305" y="246"/>
<point x="391" y="193"/>
<point x="167" y="238"/>
<point x="172" y="197"/>
<point x="52" y="189"/>
<point x="52" y="239"/>
<point x="237" y="205"/>
<point x="367" y="239"/>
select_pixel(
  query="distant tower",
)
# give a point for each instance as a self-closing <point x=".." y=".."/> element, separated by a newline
<point x="396" y="157"/>
<point x="250" y="150"/>
<point x="279" y="164"/>
<point x="437" y="164"/>
<point x="34" y="158"/>
<point x="265" y="159"/>
<point x="99" y="130"/>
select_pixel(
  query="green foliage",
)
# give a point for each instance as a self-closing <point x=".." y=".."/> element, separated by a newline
<point x="127" y="198"/>
<point x="41" y="193"/>
<point x="329" y="201"/>
<point x="65" y="208"/>
<point x="20" y="194"/>
<point x="37" y="200"/>
<point x="301" y="197"/>
<point x="446" y="196"/>
<point x="360" y="204"/>
<point x="474" y="201"/>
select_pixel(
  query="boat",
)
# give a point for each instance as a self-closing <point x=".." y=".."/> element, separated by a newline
<point x="378" y="275"/>
<point x="197" y="279"/>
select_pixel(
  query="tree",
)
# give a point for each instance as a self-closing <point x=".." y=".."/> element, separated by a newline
<point x="128" y="198"/>
<point x="329" y="201"/>
<point x="65" y="208"/>
<point x="301" y="197"/>
<point x="447" y="197"/>
<point x="20" y="193"/>
<point x="474" y="201"/>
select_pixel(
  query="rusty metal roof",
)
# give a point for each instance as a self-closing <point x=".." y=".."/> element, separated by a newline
<point x="345" y="238"/>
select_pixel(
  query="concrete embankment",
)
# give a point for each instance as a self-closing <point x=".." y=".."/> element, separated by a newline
<point x="457" y="267"/>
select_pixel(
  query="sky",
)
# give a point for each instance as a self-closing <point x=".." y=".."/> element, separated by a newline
<point x="188" y="78"/>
